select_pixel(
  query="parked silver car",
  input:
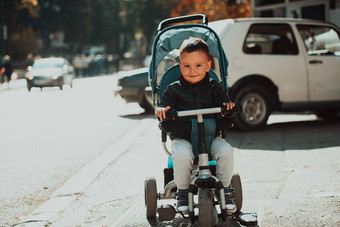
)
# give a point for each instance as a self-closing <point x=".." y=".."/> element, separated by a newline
<point x="50" y="72"/>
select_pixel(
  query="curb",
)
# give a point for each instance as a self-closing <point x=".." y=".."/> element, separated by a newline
<point x="53" y="208"/>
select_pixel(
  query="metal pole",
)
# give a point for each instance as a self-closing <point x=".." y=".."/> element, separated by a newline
<point x="1" y="31"/>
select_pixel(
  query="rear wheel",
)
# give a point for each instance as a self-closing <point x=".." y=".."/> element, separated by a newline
<point x="207" y="212"/>
<point x="255" y="108"/>
<point x="237" y="185"/>
<point x="150" y="194"/>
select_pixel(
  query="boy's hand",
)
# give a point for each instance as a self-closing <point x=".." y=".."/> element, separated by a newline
<point x="229" y="106"/>
<point x="161" y="112"/>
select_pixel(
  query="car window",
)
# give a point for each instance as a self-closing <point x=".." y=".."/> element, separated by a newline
<point x="47" y="64"/>
<point x="320" y="40"/>
<point x="270" y="39"/>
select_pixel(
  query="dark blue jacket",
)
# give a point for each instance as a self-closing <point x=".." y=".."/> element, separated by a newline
<point x="181" y="95"/>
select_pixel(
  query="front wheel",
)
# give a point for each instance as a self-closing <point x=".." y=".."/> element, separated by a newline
<point x="207" y="212"/>
<point x="255" y="108"/>
<point x="150" y="194"/>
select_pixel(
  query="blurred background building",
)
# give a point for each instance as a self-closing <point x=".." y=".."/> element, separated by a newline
<point x="324" y="10"/>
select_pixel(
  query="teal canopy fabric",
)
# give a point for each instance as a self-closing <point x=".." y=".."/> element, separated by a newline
<point x="173" y="39"/>
<point x="169" y="40"/>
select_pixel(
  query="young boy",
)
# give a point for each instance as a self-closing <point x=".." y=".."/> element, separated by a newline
<point x="195" y="90"/>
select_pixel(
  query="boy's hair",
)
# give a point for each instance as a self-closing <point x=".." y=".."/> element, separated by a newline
<point x="194" y="44"/>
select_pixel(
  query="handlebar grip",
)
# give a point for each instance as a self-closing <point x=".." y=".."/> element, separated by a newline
<point x="170" y="115"/>
<point x="163" y="136"/>
<point x="165" y="23"/>
<point x="229" y="113"/>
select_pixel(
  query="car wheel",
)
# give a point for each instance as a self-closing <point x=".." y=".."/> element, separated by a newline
<point x="61" y="87"/>
<point x="29" y="88"/>
<point x="145" y="104"/>
<point x="255" y="108"/>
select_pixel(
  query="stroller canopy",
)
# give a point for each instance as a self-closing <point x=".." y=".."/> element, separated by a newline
<point x="169" y="40"/>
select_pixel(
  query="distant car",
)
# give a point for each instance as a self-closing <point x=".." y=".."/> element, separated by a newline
<point x="131" y="87"/>
<point x="50" y="72"/>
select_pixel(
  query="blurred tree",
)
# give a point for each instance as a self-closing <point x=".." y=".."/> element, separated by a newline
<point x="19" y="16"/>
<point x="213" y="9"/>
<point x="150" y="13"/>
<point x="34" y="24"/>
<point x="75" y="22"/>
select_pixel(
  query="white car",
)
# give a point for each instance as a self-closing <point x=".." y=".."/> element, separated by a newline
<point x="280" y="64"/>
<point x="49" y="72"/>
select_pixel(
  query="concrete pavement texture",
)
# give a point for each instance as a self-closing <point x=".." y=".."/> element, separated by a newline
<point x="290" y="177"/>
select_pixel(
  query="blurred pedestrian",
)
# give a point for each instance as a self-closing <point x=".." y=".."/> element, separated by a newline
<point x="6" y="69"/>
<point x="78" y="65"/>
<point x="29" y="59"/>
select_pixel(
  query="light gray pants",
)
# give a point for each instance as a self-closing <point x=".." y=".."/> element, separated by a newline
<point x="183" y="159"/>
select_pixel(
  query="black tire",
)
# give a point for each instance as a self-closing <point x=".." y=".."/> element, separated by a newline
<point x="255" y="108"/>
<point x="29" y="88"/>
<point x="150" y="194"/>
<point x="207" y="216"/>
<point x="145" y="104"/>
<point x="327" y="114"/>
<point x="237" y="185"/>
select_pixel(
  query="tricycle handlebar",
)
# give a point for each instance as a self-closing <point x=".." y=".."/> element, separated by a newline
<point x="173" y="114"/>
<point x="165" y="23"/>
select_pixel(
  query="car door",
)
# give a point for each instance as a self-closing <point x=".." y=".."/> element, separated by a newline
<point x="269" y="50"/>
<point x="322" y="48"/>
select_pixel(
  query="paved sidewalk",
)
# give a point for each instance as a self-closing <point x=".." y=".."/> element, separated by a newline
<point x="290" y="177"/>
<point x="13" y="84"/>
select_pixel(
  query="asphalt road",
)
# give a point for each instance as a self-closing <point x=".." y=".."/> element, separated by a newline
<point x="290" y="172"/>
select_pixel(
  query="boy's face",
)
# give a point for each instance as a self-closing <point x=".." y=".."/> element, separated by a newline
<point x="194" y="66"/>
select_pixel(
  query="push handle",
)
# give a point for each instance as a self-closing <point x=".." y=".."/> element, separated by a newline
<point x="173" y="114"/>
<point x="165" y="23"/>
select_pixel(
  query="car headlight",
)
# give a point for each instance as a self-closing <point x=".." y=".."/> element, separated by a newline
<point x="54" y="76"/>
<point x="29" y="77"/>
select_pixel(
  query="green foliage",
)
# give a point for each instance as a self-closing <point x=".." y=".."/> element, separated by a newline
<point x="112" y="23"/>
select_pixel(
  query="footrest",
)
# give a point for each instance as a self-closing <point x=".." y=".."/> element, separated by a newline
<point x="246" y="219"/>
<point x="166" y="213"/>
